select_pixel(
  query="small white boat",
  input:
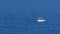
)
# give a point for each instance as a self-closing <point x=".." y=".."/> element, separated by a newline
<point x="41" y="20"/>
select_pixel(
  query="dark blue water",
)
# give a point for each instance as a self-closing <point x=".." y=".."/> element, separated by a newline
<point x="19" y="16"/>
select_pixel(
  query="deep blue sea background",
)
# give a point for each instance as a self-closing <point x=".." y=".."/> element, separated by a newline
<point x="19" y="16"/>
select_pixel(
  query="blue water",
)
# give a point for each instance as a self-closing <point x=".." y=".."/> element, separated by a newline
<point x="19" y="16"/>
